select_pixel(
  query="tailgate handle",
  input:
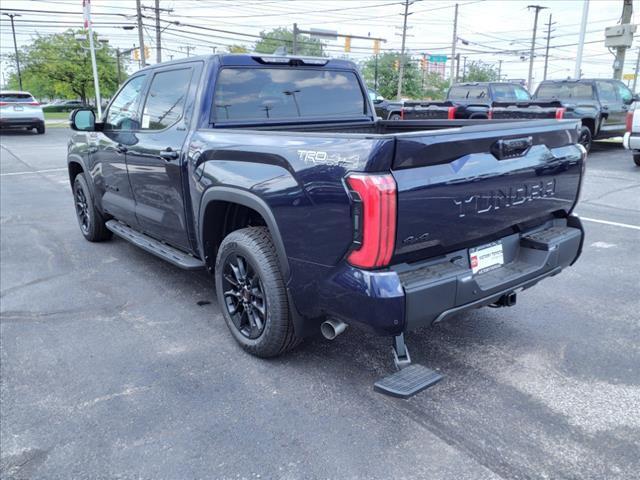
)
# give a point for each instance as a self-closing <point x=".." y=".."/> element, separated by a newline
<point x="513" y="147"/>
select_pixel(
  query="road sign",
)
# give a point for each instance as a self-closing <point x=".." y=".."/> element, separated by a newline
<point x="438" y="58"/>
<point x="629" y="76"/>
<point x="322" y="34"/>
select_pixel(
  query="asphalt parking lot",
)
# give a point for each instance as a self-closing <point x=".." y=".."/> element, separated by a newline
<point x="115" y="364"/>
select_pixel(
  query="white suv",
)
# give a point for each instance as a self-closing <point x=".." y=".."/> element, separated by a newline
<point x="20" y="110"/>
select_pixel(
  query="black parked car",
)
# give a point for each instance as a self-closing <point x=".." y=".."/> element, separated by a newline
<point x="385" y="109"/>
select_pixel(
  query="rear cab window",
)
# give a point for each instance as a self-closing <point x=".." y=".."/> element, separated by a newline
<point x="508" y="92"/>
<point x="469" y="92"/>
<point x="565" y="91"/>
<point x="280" y="93"/>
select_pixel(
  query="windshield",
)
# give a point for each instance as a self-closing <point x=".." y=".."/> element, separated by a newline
<point x="565" y="91"/>
<point x="278" y="93"/>
<point x="468" y="92"/>
<point x="16" y="98"/>
<point x="509" y="92"/>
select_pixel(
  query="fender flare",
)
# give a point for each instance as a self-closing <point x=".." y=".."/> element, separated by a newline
<point x="249" y="200"/>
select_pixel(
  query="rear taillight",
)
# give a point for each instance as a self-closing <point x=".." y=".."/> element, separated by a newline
<point x="628" y="121"/>
<point x="35" y="104"/>
<point x="490" y="114"/>
<point x="560" y="113"/>
<point x="374" y="219"/>
<point x="451" y="113"/>
<point x="402" y="114"/>
<point x="2" y="104"/>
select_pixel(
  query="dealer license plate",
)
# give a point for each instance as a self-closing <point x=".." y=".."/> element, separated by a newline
<point x="486" y="257"/>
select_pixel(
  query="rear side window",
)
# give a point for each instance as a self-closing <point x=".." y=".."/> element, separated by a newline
<point x="281" y="93"/>
<point x="606" y="92"/>
<point x="166" y="99"/>
<point x="474" y="92"/>
<point x="568" y="91"/>
<point x="16" y="98"/>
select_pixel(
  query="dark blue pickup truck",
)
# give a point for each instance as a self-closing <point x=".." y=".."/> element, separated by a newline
<point x="275" y="174"/>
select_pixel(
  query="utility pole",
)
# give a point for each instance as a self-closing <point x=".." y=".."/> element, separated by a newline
<point x="546" y="54"/>
<point x="635" y="77"/>
<point x="143" y="60"/>
<point x="583" y="28"/>
<point x="158" y="39"/>
<point x="533" y="43"/>
<point x="464" y="68"/>
<point x="15" y="45"/>
<point x="453" y="43"/>
<point x="375" y="75"/>
<point x="188" y="48"/>
<point x="404" y="40"/>
<point x="457" y="67"/>
<point x="86" y="4"/>
<point x="499" y="70"/>
<point x="294" y="44"/>
<point x="118" y="65"/>
<point x="618" y="64"/>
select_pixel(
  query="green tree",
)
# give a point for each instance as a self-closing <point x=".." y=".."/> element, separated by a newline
<point x="237" y="49"/>
<point x="283" y="37"/>
<point x="435" y="86"/>
<point x="57" y="66"/>
<point x="388" y="75"/>
<point x="480" y="72"/>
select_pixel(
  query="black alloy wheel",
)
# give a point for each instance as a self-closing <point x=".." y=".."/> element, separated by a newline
<point x="244" y="296"/>
<point x="82" y="209"/>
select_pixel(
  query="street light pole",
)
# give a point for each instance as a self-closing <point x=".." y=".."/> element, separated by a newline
<point x="15" y="46"/>
<point x="87" y="25"/>
<point x="583" y="27"/>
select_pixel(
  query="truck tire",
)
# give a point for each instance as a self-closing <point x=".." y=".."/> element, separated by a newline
<point x="91" y="222"/>
<point x="40" y="129"/>
<point x="585" y="137"/>
<point x="252" y="294"/>
<point x="636" y="157"/>
<point x="395" y="117"/>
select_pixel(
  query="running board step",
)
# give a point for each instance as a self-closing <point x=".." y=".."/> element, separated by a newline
<point x="407" y="382"/>
<point x="151" y="245"/>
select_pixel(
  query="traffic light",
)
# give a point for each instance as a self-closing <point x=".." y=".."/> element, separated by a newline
<point x="347" y="44"/>
<point x="423" y="63"/>
<point x="396" y="65"/>
<point x="136" y="54"/>
<point x="147" y="55"/>
<point x="376" y="47"/>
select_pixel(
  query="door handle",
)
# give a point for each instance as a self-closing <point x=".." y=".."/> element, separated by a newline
<point x="169" y="154"/>
<point x="121" y="148"/>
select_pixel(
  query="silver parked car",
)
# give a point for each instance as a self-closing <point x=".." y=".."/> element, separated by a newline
<point x="20" y="110"/>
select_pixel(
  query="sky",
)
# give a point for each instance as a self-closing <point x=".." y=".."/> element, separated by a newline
<point x="494" y="29"/>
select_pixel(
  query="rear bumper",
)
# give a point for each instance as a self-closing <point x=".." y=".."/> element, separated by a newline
<point x="631" y="141"/>
<point x="28" y="122"/>
<point x="410" y="296"/>
<point x="437" y="290"/>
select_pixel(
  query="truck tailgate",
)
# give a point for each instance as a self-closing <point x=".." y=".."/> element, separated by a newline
<point x="466" y="186"/>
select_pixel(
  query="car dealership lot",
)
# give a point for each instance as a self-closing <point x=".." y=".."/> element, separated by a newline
<point x="116" y="364"/>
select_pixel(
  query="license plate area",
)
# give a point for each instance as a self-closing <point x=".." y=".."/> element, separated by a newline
<point x="486" y="257"/>
<point x="18" y="108"/>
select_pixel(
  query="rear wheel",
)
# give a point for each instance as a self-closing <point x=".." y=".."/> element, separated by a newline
<point x="636" y="157"/>
<point x="251" y="293"/>
<point x="584" y="138"/>
<point x="395" y="116"/>
<point x="40" y="129"/>
<point x="91" y="223"/>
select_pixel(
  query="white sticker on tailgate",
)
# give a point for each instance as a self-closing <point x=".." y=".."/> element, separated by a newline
<point x="485" y="258"/>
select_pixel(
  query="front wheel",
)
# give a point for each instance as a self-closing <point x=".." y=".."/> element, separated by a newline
<point x="91" y="223"/>
<point x="40" y="129"/>
<point x="636" y="157"/>
<point x="251" y="293"/>
<point x="395" y="116"/>
<point x="585" y="138"/>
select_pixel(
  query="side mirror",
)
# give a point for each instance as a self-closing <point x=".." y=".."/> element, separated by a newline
<point x="378" y="101"/>
<point x="83" y="120"/>
<point x="635" y="98"/>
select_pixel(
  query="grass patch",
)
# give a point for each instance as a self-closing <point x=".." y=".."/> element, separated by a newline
<point x="56" y="115"/>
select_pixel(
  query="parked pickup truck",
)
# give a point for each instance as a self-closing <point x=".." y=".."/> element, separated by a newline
<point x="385" y="109"/>
<point x="471" y="100"/>
<point x="600" y="105"/>
<point x="275" y="175"/>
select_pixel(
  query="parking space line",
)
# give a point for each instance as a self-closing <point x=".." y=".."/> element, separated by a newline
<point x="32" y="172"/>
<point x="607" y="222"/>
